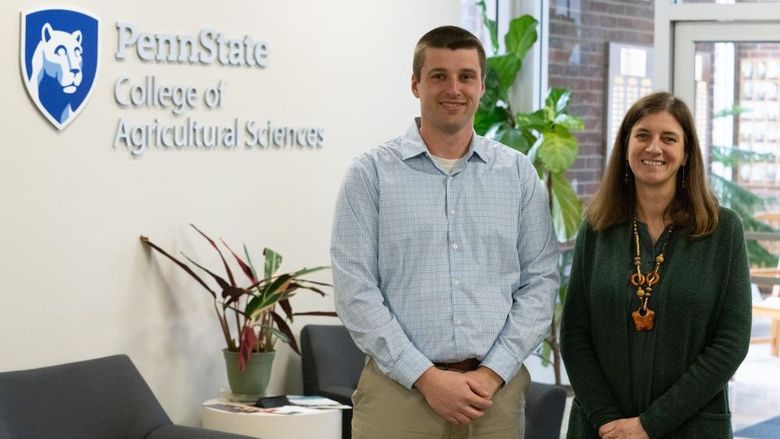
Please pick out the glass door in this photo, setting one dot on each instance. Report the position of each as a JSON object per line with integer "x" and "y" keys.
{"x": 729, "y": 74}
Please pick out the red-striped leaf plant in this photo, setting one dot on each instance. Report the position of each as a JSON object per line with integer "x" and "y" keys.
{"x": 255, "y": 324}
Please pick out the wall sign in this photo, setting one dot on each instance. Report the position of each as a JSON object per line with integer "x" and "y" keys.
{"x": 59, "y": 61}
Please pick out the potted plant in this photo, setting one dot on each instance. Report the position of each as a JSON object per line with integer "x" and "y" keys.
{"x": 247, "y": 315}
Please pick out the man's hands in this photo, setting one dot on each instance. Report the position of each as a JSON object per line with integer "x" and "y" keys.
{"x": 488, "y": 380}
{"x": 457, "y": 397}
{"x": 629, "y": 428}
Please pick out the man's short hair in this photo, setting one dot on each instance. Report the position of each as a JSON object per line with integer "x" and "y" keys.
{"x": 447, "y": 37}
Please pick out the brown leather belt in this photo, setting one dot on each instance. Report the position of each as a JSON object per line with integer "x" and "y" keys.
{"x": 466, "y": 365}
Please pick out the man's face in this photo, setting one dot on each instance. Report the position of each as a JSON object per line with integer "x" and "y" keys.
{"x": 449, "y": 88}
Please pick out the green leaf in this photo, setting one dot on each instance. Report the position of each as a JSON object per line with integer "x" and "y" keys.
{"x": 558, "y": 312}
{"x": 533, "y": 121}
{"x": 269, "y": 295}
{"x": 567, "y": 208}
{"x": 745, "y": 203}
{"x": 279, "y": 334}
{"x": 533, "y": 153}
{"x": 272, "y": 261}
{"x": 760, "y": 256}
{"x": 486, "y": 119}
{"x": 735, "y": 110}
{"x": 506, "y": 68}
{"x": 521, "y": 36}
{"x": 252, "y": 306}
{"x": 249, "y": 262}
{"x": 733, "y": 156}
{"x": 496, "y": 129}
{"x": 558, "y": 150}
{"x": 734, "y": 196}
{"x": 278, "y": 286}
{"x": 562, "y": 293}
{"x": 557, "y": 100}
{"x": 490, "y": 25}
{"x": 305, "y": 271}
{"x": 571, "y": 123}
{"x": 546, "y": 353}
{"x": 540, "y": 172}
{"x": 514, "y": 139}
{"x": 494, "y": 95}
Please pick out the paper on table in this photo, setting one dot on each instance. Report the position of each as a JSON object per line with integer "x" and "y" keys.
{"x": 250, "y": 409}
{"x": 234, "y": 408}
{"x": 299, "y": 405}
{"x": 316, "y": 402}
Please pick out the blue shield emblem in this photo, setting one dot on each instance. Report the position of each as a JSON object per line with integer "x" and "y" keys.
{"x": 59, "y": 60}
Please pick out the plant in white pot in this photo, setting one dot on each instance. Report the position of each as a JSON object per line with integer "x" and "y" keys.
{"x": 247, "y": 315}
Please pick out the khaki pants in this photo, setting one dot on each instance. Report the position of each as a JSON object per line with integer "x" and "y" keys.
{"x": 383, "y": 409}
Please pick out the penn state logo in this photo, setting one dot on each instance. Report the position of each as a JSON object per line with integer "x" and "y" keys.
{"x": 59, "y": 60}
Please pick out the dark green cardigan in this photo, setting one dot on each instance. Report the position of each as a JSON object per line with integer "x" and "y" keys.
{"x": 702, "y": 331}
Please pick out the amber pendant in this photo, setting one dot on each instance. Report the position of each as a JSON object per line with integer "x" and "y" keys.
{"x": 643, "y": 321}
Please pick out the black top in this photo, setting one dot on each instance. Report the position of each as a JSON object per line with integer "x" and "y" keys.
{"x": 674, "y": 378}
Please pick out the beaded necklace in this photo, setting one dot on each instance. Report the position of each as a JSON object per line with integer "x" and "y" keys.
{"x": 644, "y": 317}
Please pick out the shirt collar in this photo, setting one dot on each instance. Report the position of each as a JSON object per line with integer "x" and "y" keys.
{"x": 413, "y": 145}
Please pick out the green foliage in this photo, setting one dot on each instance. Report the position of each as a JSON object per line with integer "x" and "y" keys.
{"x": 490, "y": 24}
{"x": 740, "y": 199}
{"x": 734, "y": 156}
{"x": 736, "y": 110}
{"x": 566, "y": 208}
{"x": 544, "y": 135}
{"x": 745, "y": 204}
{"x": 257, "y": 322}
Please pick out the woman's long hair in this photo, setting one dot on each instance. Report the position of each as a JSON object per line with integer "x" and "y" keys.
{"x": 694, "y": 206}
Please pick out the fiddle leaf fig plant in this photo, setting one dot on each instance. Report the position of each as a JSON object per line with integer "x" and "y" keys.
{"x": 247, "y": 315}
{"x": 545, "y": 136}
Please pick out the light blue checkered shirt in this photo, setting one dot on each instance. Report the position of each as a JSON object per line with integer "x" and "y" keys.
{"x": 430, "y": 266}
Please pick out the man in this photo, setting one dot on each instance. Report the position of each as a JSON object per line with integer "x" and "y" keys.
{"x": 445, "y": 263}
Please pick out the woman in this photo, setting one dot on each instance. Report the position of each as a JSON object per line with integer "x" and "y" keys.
{"x": 658, "y": 312}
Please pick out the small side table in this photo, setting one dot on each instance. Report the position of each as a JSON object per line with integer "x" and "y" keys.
{"x": 320, "y": 424}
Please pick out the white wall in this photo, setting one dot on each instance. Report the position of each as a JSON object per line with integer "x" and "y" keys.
{"x": 76, "y": 282}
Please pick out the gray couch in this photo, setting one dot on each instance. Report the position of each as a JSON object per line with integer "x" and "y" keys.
{"x": 332, "y": 365}
{"x": 105, "y": 398}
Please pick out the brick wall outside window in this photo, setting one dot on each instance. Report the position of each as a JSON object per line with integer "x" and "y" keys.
{"x": 580, "y": 31}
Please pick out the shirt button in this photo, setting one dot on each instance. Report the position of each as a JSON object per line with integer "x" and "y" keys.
{"x": 452, "y": 211}
{"x": 458, "y": 322}
{"x": 456, "y": 282}
{"x": 454, "y": 246}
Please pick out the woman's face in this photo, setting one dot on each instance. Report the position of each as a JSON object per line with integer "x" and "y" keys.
{"x": 656, "y": 150}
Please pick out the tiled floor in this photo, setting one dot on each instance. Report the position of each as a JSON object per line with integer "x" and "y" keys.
{"x": 754, "y": 392}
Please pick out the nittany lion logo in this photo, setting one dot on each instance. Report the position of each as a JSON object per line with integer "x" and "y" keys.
{"x": 59, "y": 51}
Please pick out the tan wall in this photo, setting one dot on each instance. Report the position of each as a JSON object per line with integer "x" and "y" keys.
{"x": 76, "y": 282}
